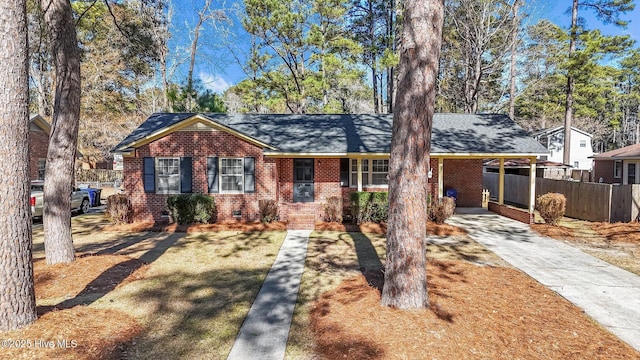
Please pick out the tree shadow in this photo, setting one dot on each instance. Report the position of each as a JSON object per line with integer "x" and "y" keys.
{"x": 114, "y": 276}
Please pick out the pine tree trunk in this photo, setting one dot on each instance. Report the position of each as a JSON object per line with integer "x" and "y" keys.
{"x": 17, "y": 299}
{"x": 512, "y": 70}
{"x": 59, "y": 172}
{"x": 568, "y": 115}
{"x": 405, "y": 285}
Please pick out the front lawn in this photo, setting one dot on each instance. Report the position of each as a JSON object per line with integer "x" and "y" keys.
{"x": 146, "y": 295}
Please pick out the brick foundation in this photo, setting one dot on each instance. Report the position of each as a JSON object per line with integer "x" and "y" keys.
{"x": 511, "y": 212}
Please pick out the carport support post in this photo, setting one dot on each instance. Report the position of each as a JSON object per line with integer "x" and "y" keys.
{"x": 532, "y": 184}
{"x": 440, "y": 178}
{"x": 501, "y": 182}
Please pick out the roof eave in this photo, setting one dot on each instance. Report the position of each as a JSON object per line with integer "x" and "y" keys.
{"x": 185, "y": 123}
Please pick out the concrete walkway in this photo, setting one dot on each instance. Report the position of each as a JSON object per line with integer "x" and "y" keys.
{"x": 265, "y": 330}
{"x": 608, "y": 294}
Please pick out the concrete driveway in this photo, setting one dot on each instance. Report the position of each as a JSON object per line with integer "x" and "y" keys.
{"x": 608, "y": 294}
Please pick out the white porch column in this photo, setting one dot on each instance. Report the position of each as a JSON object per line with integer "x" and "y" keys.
{"x": 501, "y": 182}
{"x": 359, "y": 165}
{"x": 440, "y": 178}
{"x": 532, "y": 184}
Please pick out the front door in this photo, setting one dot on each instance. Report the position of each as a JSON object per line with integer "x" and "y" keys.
{"x": 303, "y": 180}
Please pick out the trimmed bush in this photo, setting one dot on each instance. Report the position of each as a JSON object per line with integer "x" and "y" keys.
{"x": 369, "y": 206}
{"x": 551, "y": 207}
{"x": 333, "y": 209}
{"x": 192, "y": 208}
{"x": 119, "y": 209}
{"x": 442, "y": 209}
{"x": 268, "y": 211}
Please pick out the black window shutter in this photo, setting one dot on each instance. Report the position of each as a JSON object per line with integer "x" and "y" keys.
{"x": 149, "y": 175}
{"x": 185, "y": 175}
{"x": 212, "y": 174}
{"x": 249, "y": 175}
{"x": 344, "y": 172}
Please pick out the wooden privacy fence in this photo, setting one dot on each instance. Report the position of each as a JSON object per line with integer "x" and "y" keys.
{"x": 586, "y": 201}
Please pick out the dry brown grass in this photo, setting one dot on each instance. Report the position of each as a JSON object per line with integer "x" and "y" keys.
{"x": 617, "y": 243}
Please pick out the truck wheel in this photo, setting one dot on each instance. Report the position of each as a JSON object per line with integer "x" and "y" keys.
{"x": 84, "y": 207}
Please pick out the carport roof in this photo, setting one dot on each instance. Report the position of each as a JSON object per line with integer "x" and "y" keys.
{"x": 475, "y": 135}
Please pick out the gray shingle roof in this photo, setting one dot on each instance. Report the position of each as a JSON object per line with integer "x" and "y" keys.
{"x": 331, "y": 134}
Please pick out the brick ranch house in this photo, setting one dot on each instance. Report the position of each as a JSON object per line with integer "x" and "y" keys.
{"x": 300, "y": 160}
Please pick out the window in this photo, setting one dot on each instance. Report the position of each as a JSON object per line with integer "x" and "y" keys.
{"x": 631, "y": 173}
{"x": 374, "y": 172}
{"x": 168, "y": 175}
{"x": 379, "y": 171}
{"x": 583, "y": 143}
{"x": 41, "y": 166}
{"x": 354, "y": 172}
{"x": 617, "y": 169}
{"x": 576, "y": 164}
{"x": 231, "y": 175}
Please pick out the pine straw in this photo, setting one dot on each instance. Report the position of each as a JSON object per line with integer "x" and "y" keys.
{"x": 619, "y": 232}
{"x": 102, "y": 273}
{"x": 221, "y": 226}
{"x": 554, "y": 231}
{"x": 90, "y": 333}
{"x": 476, "y": 313}
{"x": 381, "y": 229}
{"x": 96, "y": 334}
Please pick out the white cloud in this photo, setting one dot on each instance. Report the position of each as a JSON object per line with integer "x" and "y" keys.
{"x": 214, "y": 82}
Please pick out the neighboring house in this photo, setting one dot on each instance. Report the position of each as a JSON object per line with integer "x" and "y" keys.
{"x": 619, "y": 166}
{"x": 39, "y": 130}
{"x": 544, "y": 168}
{"x": 581, "y": 148}
{"x": 300, "y": 160}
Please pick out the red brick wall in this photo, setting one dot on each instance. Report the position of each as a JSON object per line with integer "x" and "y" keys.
{"x": 466, "y": 177}
{"x": 511, "y": 212}
{"x": 38, "y": 145}
{"x": 604, "y": 169}
{"x": 199, "y": 145}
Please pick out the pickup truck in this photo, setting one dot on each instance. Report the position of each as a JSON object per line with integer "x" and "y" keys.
{"x": 79, "y": 200}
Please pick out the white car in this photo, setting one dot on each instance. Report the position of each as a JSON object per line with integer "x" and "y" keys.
{"x": 79, "y": 199}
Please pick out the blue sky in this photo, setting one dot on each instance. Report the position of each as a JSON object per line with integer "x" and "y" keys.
{"x": 217, "y": 68}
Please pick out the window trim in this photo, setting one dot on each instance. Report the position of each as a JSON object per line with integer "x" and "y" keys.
{"x": 157, "y": 176}
{"x": 220, "y": 175}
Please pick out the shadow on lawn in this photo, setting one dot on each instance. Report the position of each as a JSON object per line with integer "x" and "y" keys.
{"x": 115, "y": 275}
{"x": 188, "y": 306}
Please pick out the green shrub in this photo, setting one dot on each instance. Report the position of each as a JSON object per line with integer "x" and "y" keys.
{"x": 192, "y": 208}
{"x": 442, "y": 209}
{"x": 119, "y": 209}
{"x": 333, "y": 209}
{"x": 369, "y": 206}
{"x": 268, "y": 211}
{"x": 551, "y": 207}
